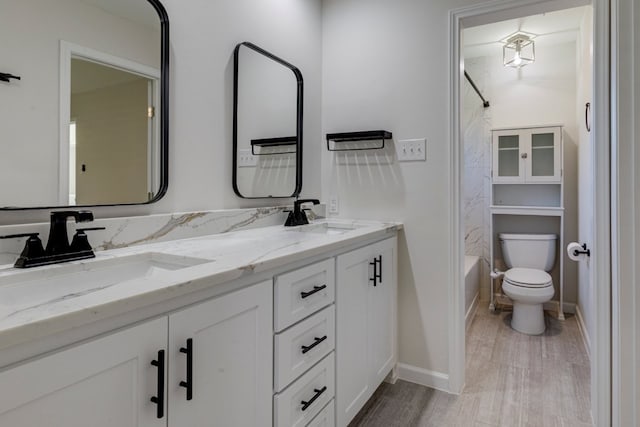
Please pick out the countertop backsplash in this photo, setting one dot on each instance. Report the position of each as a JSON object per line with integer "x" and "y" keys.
{"x": 136, "y": 230}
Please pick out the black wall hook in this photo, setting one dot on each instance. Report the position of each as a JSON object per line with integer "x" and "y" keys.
{"x": 5, "y": 77}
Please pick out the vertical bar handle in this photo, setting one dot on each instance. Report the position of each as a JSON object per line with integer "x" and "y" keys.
{"x": 159, "y": 398}
{"x": 375, "y": 272}
{"x": 188, "y": 384}
{"x": 379, "y": 260}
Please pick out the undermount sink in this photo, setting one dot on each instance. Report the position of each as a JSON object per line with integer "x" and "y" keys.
{"x": 33, "y": 288}
{"x": 328, "y": 228}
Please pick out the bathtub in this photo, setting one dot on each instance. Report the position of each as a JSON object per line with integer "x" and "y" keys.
{"x": 471, "y": 286}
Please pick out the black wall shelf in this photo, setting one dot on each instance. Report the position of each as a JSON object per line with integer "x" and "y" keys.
{"x": 368, "y": 135}
{"x": 273, "y": 142}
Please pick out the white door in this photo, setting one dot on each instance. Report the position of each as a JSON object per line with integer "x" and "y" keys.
{"x": 353, "y": 274}
{"x": 231, "y": 372}
{"x": 102, "y": 383}
{"x": 382, "y": 317}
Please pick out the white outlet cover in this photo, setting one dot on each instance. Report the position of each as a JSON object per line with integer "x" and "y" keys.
{"x": 412, "y": 150}
{"x": 333, "y": 205}
{"x": 246, "y": 159}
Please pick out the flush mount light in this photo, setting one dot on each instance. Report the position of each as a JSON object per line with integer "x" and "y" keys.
{"x": 518, "y": 50}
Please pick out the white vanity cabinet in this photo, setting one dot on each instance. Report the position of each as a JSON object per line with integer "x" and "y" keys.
{"x": 366, "y": 295}
{"x": 527, "y": 155}
{"x": 102, "y": 383}
{"x": 227, "y": 360}
{"x": 109, "y": 381}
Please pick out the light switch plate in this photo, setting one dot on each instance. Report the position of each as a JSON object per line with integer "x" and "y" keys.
{"x": 246, "y": 159}
{"x": 412, "y": 150}
{"x": 333, "y": 205}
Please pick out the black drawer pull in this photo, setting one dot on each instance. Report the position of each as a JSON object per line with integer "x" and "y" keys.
{"x": 188, "y": 384}
{"x": 379, "y": 269}
{"x": 316, "y": 289}
{"x": 159, "y": 398}
{"x": 315, "y": 397}
{"x": 307, "y": 348}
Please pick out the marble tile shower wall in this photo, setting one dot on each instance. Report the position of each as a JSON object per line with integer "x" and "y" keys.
{"x": 476, "y": 129}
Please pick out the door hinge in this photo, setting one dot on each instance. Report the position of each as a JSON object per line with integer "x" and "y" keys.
{"x": 151, "y": 112}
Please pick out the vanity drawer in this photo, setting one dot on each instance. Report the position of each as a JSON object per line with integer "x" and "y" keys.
{"x": 315, "y": 388}
{"x": 302, "y": 292}
{"x": 326, "y": 417}
{"x": 303, "y": 345}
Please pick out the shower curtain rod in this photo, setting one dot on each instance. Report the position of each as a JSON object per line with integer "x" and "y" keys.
{"x": 485, "y": 103}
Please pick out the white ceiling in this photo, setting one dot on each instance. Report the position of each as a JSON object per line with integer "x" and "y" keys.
{"x": 551, "y": 28}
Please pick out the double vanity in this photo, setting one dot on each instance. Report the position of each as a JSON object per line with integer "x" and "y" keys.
{"x": 282, "y": 326}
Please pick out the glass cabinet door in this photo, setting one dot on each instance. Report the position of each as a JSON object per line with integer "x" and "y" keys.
{"x": 544, "y": 156}
{"x": 507, "y": 157}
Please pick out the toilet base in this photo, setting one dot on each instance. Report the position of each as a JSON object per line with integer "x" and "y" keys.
{"x": 528, "y": 318}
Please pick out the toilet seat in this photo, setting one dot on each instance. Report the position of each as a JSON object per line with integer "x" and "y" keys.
{"x": 528, "y": 278}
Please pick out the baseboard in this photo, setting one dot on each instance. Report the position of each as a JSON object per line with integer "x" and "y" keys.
{"x": 583, "y": 331}
{"x": 568, "y": 307}
{"x": 471, "y": 313}
{"x": 424, "y": 377}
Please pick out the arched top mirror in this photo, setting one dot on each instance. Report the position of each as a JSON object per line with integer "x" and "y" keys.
{"x": 84, "y": 115}
{"x": 267, "y": 125}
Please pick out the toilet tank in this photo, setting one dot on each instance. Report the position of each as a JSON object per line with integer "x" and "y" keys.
{"x": 529, "y": 250}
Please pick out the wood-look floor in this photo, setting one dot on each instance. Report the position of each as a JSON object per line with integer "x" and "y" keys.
{"x": 512, "y": 380}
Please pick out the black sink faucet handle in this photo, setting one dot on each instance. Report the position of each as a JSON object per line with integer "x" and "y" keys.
{"x": 32, "y": 248}
{"x": 80, "y": 240}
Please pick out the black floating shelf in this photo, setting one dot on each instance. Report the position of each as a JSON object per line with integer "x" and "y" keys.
{"x": 368, "y": 135}
{"x": 273, "y": 142}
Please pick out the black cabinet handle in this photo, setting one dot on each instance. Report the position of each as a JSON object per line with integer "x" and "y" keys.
{"x": 377, "y": 271}
{"x": 307, "y": 348}
{"x": 316, "y": 289}
{"x": 315, "y": 397}
{"x": 587, "y": 110}
{"x": 188, "y": 384}
{"x": 159, "y": 398}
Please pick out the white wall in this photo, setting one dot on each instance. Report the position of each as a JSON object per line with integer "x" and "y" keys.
{"x": 385, "y": 66}
{"x": 203, "y": 36}
{"x": 544, "y": 93}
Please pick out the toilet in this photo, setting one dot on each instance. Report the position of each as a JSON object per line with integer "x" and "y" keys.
{"x": 527, "y": 282}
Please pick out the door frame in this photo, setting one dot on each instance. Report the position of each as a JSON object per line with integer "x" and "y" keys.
{"x": 68, "y": 51}
{"x": 603, "y": 209}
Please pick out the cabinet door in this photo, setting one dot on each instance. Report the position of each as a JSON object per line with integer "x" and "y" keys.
{"x": 353, "y": 387}
{"x": 382, "y": 313}
{"x": 508, "y": 161}
{"x": 232, "y": 360}
{"x": 544, "y": 160}
{"x": 103, "y": 383}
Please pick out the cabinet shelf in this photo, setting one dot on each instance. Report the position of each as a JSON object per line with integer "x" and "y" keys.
{"x": 349, "y": 137}
{"x": 273, "y": 142}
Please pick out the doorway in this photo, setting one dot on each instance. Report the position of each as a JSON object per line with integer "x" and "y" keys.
{"x": 593, "y": 230}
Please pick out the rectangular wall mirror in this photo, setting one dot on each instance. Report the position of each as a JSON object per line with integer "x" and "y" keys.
{"x": 83, "y": 119}
{"x": 267, "y": 125}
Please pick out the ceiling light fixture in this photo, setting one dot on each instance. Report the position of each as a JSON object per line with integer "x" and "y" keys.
{"x": 518, "y": 50}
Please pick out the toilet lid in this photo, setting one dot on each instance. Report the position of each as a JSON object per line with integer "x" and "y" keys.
{"x": 529, "y": 277}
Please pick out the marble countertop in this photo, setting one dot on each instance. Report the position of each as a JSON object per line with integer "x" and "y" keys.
{"x": 223, "y": 258}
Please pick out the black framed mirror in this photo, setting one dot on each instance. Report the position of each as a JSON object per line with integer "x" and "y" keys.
{"x": 267, "y": 124}
{"x": 84, "y": 118}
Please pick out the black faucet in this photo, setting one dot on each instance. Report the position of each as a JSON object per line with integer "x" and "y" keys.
{"x": 58, "y": 247}
{"x": 297, "y": 215}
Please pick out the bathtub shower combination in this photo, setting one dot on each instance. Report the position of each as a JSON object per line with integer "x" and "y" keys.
{"x": 471, "y": 286}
